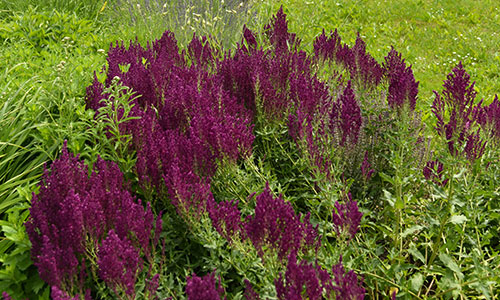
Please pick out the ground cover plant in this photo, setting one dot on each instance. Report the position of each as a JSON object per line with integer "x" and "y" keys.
{"x": 251, "y": 171}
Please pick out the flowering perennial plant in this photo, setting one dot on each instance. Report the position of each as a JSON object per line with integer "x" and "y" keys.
{"x": 363, "y": 68}
{"x": 119, "y": 262}
{"x": 307, "y": 281}
{"x": 275, "y": 223}
{"x": 458, "y": 104}
{"x": 72, "y": 215}
{"x": 347, "y": 285}
{"x": 347, "y": 218}
{"x": 300, "y": 280}
{"x": 204, "y": 288}
{"x": 188, "y": 121}
{"x": 433, "y": 171}
{"x": 348, "y": 119}
{"x": 489, "y": 118}
{"x": 403, "y": 88}
{"x": 57, "y": 294}
{"x": 226, "y": 218}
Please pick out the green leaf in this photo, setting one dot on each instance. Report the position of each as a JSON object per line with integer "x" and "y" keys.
{"x": 451, "y": 264}
{"x": 388, "y": 196}
{"x": 416, "y": 253}
{"x": 412, "y": 230}
{"x": 386, "y": 177}
{"x": 458, "y": 219}
{"x": 417, "y": 281}
{"x": 400, "y": 204}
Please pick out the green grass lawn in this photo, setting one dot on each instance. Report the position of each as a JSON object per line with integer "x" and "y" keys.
{"x": 433, "y": 36}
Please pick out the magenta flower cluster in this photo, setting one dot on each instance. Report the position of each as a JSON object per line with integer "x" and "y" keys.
{"x": 347, "y": 218}
{"x": 434, "y": 171}
{"x": 273, "y": 224}
{"x": 305, "y": 280}
{"x": 75, "y": 214}
{"x": 403, "y": 88}
{"x": 204, "y": 288}
{"x": 489, "y": 118}
{"x": 119, "y": 263}
{"x": 345, "y": 118}
{"x": 456, "y": 121}
{"x": 189, "y": 117}
{"x": 362, "y": 67}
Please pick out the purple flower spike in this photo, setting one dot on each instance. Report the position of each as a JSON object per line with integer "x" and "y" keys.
{"x": 433, "y": 170}
{"x": 6, "y": 296}
{"x": 489, "y": 118}
{"x": 277, "y": 31}
{"x": 328, "y": 47}
{"x": 363, "y": 66}
{"x": 226, "y": 218}
{"x": 119, "y": 263}
{"x": 366, "y": 169}
{"x": 250, "y": 294}
{"x": 74, "y": 211}
{"x": 457, "y": 105}
{"x": 347, "y": 285}
{"x": 57, "y": 294}
{"x": 275, "y": 223}
{"x": 403, "y": 88}
{"x": 299, "y": 278}
{"x": 347, "y": 218}
{"x": 349, "y": 120}
{"x": 204, "y": 288}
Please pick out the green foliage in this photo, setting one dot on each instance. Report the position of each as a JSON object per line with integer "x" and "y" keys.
{"x": 18, "y": 276}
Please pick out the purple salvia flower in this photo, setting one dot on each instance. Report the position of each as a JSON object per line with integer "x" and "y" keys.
{"x": 275, "y": 223}
{"x": 303, "y": 279}
{"x": 200, "y": 51}
{"x": 236, "y": 75}
{"x": 277, "y": 31}
{"x": 249, "y": 37}
{"x": 250, "y": 294}
{"x": 403, "y": 88}
{"x": 349, "y": 121}
{"x": 6, "y": 296}
{"x": 55, "y": 227}
{"x": 204, "y": 288}
{"x": 489, "y": 118}
{"x": 226, "y": 218}
{"x": 347, "y": 285}
{"x": 119, "y": 262}
{"x": 433, "y": 170}
{"x": 57, "y": 294}
{"x": 347, "y": 218}
{"x": 153, "y": 284}
{"x": 474, "y": 146}
{"x": 94, "y": 94}
{"x": 190, "y": 194}
{"x": 458, "y": 103}
{"x": 327, "y": 47}
{"x": 74, "y": 211}
{"x": 366, "y": 168}
{"x": 363, "y": 66}
{"x": 308, "y": 93}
